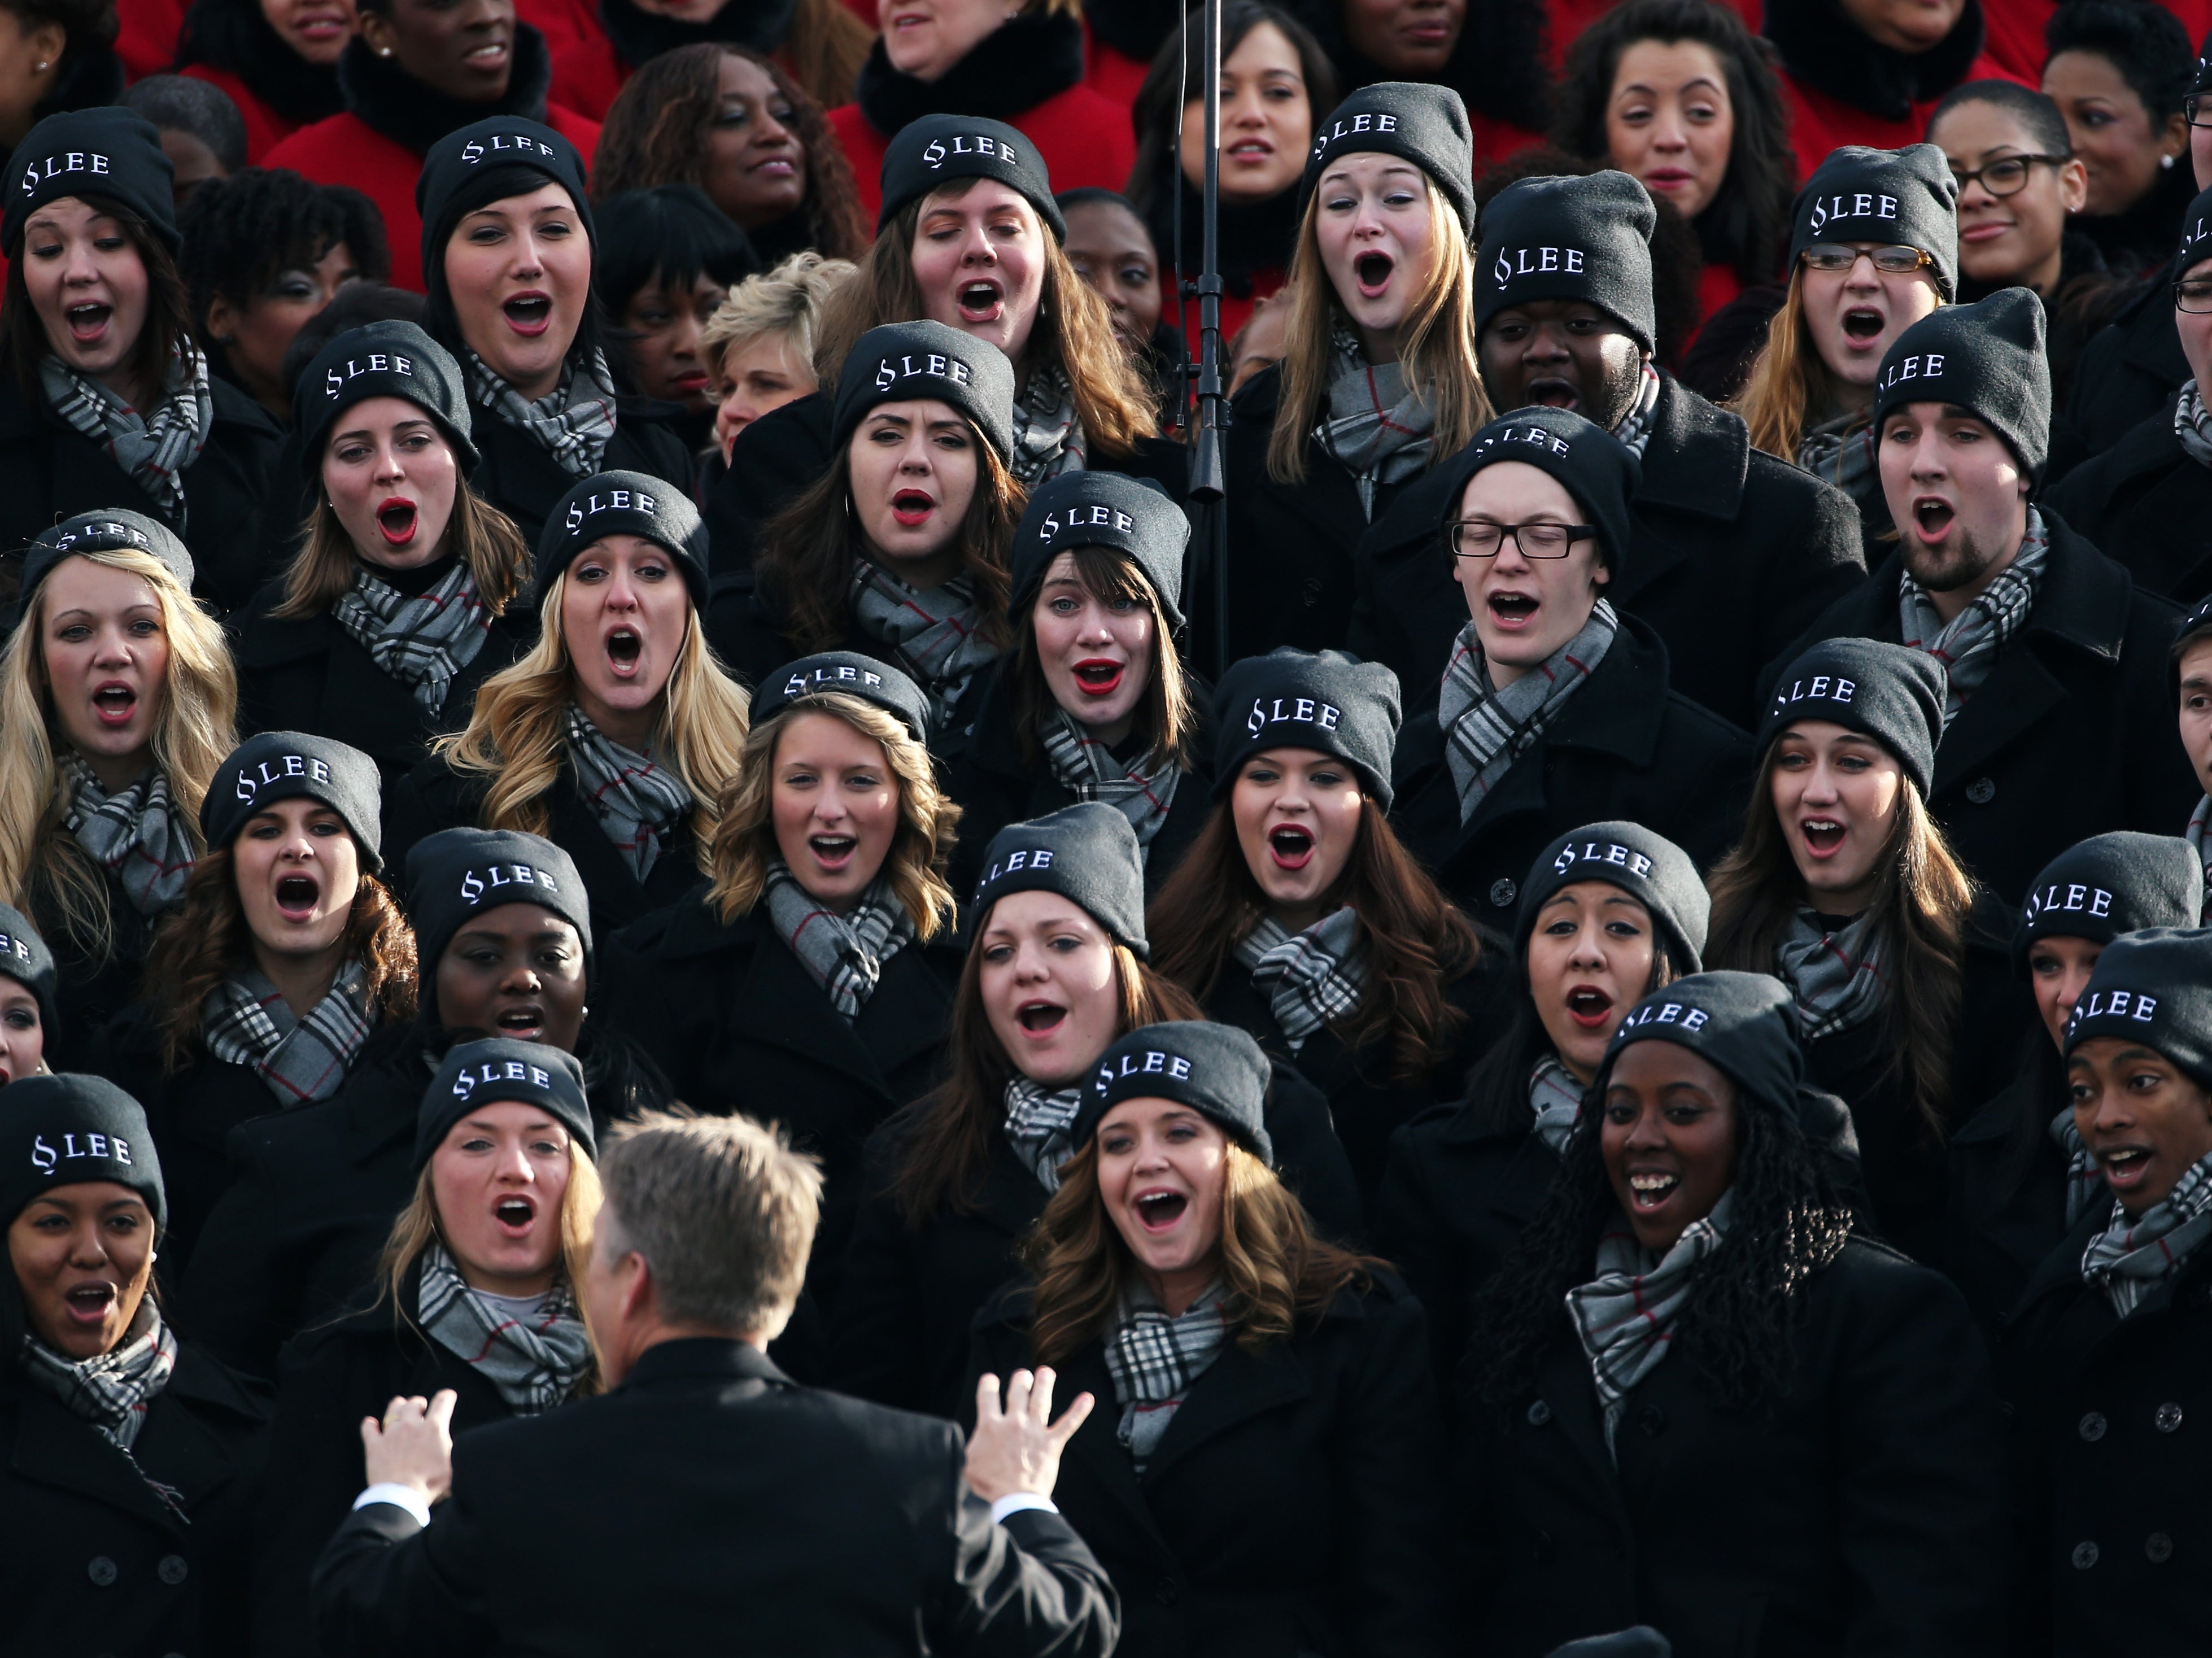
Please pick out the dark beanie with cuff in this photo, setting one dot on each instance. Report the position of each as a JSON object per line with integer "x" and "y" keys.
{"x": 1086, "y": 852}
{"x": 1320, "y": 700}
{"x": 2195, "y": 245}
{"x": 1742, "y": 1024}
{"x": 846, "y": 673}
{"x": 1417, "y": 121}
{"x": 1892, "y": 197}
{"x": 1217, "y": 1070}
{"x": 296, "y": 765}
{"x": 1649, "y": 868}
{"x": 477, "y": 1074}
{"x": 108, "y": 530}
{"x": 390, "y": 358}
{"x": 1889, "y": 693}
{"x": 110, "y": 153}
{"x": 1587, "y": 239}
{"x": 2121, "y": 882}
{"x": 457, "y": 874}
{"x": 70, "y": 1129}
{"x": 1987, "y": 358}
{"x": 1596, "y": 468}
{"x": 1134, "y": 517}
{"x": 25, "y": 958}
{"x": 499, "y": 149}
{"x": 625, "y": 504}
{"x": 938, "y": 149}
{"x": 2152, "y": 987}
{"x": 2196, "y": 628}
{"x": 907, "y": 361}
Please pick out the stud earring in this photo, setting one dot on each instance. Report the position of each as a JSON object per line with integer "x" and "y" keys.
{"x": 41, "y": 70}
{"x": 2165, "y": 161}
{"x": 384, "y": 52}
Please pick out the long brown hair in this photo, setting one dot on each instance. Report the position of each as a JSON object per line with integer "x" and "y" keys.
{"x": 1164, "y": 718}
{"x": 1415, "y": 939}
{"x": 478, "y": 534}
{"x": 168, "y": 323}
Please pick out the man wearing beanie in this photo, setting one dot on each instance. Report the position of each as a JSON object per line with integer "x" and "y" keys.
{"x": 2057, "y": 705}
{"x": 1732, "y": 552}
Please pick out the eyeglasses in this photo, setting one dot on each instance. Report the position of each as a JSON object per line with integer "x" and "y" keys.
{"x": 1474, "y": 537}
{"x": 2197, "y": 104}
{"x": 1895, "y": 260}
{"x": 2193, "y": 294}
{"x": 2007, "y": 175}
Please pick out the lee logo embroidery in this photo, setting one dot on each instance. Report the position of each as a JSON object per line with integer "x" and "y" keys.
{"x": 100, "y": 1148}
{"x": 376, "y": 362}
{"x": 1863, "y": 205}
{"x": 615, "y": 500}
{"x": 477, "y": 884}
{"x": 1296, "y": 710}
{"x": 247, "y": 783}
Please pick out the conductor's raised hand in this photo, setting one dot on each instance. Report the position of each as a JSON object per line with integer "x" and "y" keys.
{"x": 1015, "y": 1446}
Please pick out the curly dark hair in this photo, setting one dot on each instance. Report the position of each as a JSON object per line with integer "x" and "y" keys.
{"x": 656, "y": 134}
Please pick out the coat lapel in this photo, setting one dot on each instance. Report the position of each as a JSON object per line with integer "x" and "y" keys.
{"x": 1237, "y": 1387}
{"x": 782, "y": 1007}
{"x": 1098, "y": 1445}
{"x": 55, "y": 1448}
{"x": 909, "y": 1012}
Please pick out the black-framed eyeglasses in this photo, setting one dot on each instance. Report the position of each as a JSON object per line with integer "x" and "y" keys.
{"x": 1894, "y": 260}
{"x": 2197, "y": 105}
{"x": 1475, "y": 538}
{"x": 2007, "y": 175}
{"x": 2193, "y": 294}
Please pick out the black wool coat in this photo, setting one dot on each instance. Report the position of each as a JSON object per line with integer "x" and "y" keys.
{"x": 1861, "y": 1513}
{"x": 2071, "y": 734}
{"x": 1733, "y": 555}
{"x": 2149, "y": 505}
{"x": 909, "y": 1295}
{"x": 521, "y": 478}
{"x": 1624, "y": 746}
{"x": 94, "y": 1559}
{"x": 2132, "y": 368}
{"x": 2007, "y": 1207}
{"x": 54, "y": 472}
{"x": 711, "y": 1494}
{"x": 1295, "y": 1504}
{"x": 92, "y": 985}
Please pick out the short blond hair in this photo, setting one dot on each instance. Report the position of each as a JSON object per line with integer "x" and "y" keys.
{"x": 786, "y": 301}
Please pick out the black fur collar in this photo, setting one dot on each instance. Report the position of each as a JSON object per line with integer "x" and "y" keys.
{"x": 1014, "y": 67}
{"x": 1498, "y": 66}
{"x": 637, "y": 35}
{"x": 1251, "y": 239}
{"x": 1826, "y": 51}
{"x": 391, "y": 101}
{"x": 234, "y": 35}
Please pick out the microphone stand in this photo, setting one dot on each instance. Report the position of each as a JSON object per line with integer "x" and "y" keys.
{"x": 1208, "y": 468}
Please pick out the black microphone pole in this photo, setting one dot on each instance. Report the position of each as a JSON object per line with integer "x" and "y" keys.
{"x": 1208, "y": 467}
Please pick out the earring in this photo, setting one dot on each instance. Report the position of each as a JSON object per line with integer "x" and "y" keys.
{"x": 2165, "y": 161}
{"x": 384, "y": 52}
{"x": 42, "y": 69}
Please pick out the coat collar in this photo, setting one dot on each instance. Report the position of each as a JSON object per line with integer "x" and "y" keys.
{"x": 388, "y": 101}
{"x": 1821, "y": 46}
{"x": 1699, "y": 458}
{"x": 1010, "y": 71}
{"x": 383, "y": 1102}
{"x": 693, "y": 1358}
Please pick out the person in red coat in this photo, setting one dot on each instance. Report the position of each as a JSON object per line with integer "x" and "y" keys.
{"x": 819, "y": 42}
{"x": 277, "y": 61}
{"x": 417, "y": 71}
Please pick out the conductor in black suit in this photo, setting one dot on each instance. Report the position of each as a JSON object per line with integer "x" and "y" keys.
{"x": 706, "y": 1503}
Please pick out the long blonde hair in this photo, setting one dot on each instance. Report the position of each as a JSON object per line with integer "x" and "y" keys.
{"x": 745, "y": 840}
{"x": 43, "y": 872}
{"x": 516, "y": 733}
{"x": 1789, "y": 388}
{"x": 1435, "y": 343}
{"x": 478, "y": 534}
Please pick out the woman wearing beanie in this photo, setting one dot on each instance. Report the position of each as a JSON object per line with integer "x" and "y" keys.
{"x": 1378, "y": 382}
{"x": 28, "y": 1020}
{"x": 1702, "y": 1402}
{"x": 616, "y": 735}
{"x": 1093, "y": 701}
{"x": 503, "y": 931}
{"x": 1297, "y": 1505}
{"x": 2189, "y": 684}
{"x": 1299, "y": 918}
{"x": 2021, "y": 1176}
{"x": 134, "y": 1460}
{"x": 476, "y": 1291}
{"x": 1554, "y": 709}
{"x": 406, "y": 593}
{"x": 106, "y": 401}
{"x": 1056, "y": 971}
{"x": 117, "y": 697}
{"x": 1855, "y": 74}
{"x": 277, "y": 63}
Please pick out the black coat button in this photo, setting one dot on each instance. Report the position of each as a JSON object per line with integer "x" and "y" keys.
{"x": 2093, "y": 1426}
{"x": 172, "y": 1569}
{"x": 1981, "y": 791}
{"x": 1652, "y": 1420}
{"x": 1503, "y": 892}
{"x": 101, "y": 1570}
{"x": 2085, "y": 1556}
{"x": 1539, "y": 1414}
{"x": 2158, "y": 1548}
{"x": 2168, "y": 1418}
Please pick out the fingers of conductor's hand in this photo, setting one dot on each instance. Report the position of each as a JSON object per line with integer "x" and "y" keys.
{"x": 1019, "y": 1388}
{"x": 441, "y": 1409}
{"x": 1041, "y": 1396}
{"x": 1076, "y": 1414}
{"x": 987, "y": 1408}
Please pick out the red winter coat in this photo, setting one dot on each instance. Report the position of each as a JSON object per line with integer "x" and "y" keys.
{"x": 1819, "y": 122}
{"x": 1110, "y": 74}
{"x": 1083, "y": 137}
{"x": 587, "y": 76}
{"x": 146, "y": 35}
{"x": 264, "y": 128}
{"x": 563, "y": 22}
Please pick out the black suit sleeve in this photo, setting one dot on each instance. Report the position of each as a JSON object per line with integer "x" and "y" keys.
{"x": 385, "y": 1585}
{"x": 1030, "y": 1588}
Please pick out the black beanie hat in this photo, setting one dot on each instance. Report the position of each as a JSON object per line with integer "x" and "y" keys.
{"x": 390, "y": 358}
{"x": 849, "y": 674}
{"x": 1416, "y": 120}
{"x": 65, "y": 1130}
{"x": 1134, "y": 517}
{"x": 108, "y": 152}
{"x": 1742, "y": 1022}
{"x": 1585, "y": 239}
{"x": 2154, "y": 987}
{"x": 625, "y": 504}
{"x": 443, "y": 189}
{"x": 1086, "y": 852}
{"x": 502, "y": 1069}
{"x": 1649, "y": 868}
{"x": 2194, "y": 627}
{"x": 459, "y": 873}
{"x": 110, "y": 528}
{"x": 1596, "y": 468}
{"x": 1217, "y": 1070}
{"x": 2109, "y": 884}
{"x": 1886, "y": 692}
{"x": 25, "y": 958}
{"x": 1322, "y": 700}
{"x": 1906, "y": 198}
{"x": 2195, "y": 235}
{"x": 905, "y": 362}
{"x": 1988, "y": 359}
{"x": 926, "y": 153}
{"x": 289, "y": 765}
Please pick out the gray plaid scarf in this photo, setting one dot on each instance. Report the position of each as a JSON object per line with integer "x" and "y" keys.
{"x": 635, "y": 800}
{"x": 153, "y": 450}
{"x": 1556, "y": 1099}
{"x": 1969, "y": 643}
{"x": 2127, "y": 1259}
{"x": 571, "y": 423}
{"x": 2083, "y": 1182}
{"x": 1037, "y": 1125}
{"x": 1837, "y": 977}
{"x": 138, "y": 836}
{"x": 2192, "y": 425}
{"x": 1842, "y": 452}
{"x": 113, "y": 1390}
{"x": 534, "y": 1365}
{"x": 1635, "y": 427}
{"x": 2196, "y": 836}
{"x": 1310, "y": 978}
{"x": 1048, "y": 441}
{"x": 1153, "y": 1359}
{"x": 937, "y": 636}
{"x": 421, "y": 642}
{"x": 1625, "y": 1316}
{"x": 1086, "y": 767}
{"x": 845, "y": 953}
{"x": 245, "y": 1021}
{"x": 1486, "y": 729}
{"x": 1378, "y": 429}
